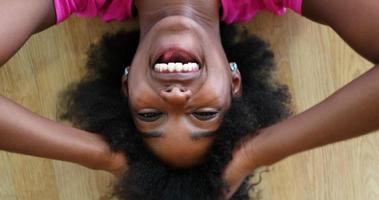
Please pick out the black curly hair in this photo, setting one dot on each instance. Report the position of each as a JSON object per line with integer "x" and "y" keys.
{"x": 97, "y": 104}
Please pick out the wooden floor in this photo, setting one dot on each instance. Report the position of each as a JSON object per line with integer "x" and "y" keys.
{"x": 312, "y": 60}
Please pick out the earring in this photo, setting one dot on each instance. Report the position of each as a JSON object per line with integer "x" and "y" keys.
{"x": 233, "y": 66}
{"x": 126, "y": 71}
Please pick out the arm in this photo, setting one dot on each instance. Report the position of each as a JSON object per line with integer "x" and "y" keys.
{"x": 350, "y": 112}
{"x": 22, "y": 131}
{"x": 20, "y": 19}
{"x": 355, "y": 21}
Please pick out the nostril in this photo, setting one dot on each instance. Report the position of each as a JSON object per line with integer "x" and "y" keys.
{"x": 176, "y": 95}
{"x": 175, "y": 87}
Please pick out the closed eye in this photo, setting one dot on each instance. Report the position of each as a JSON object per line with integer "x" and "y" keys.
{"x": 149, "y": 116}
{"x": 205, "y": 115}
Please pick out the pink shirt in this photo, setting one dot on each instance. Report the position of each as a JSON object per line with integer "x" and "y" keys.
{"x": 108, "y": 10}
{"x": 244, "y": 10}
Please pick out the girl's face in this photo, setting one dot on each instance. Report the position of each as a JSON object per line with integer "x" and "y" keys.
{"x": 179, "y": 107}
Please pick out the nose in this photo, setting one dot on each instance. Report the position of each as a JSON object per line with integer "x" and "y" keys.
{"x": 176, "y": 95}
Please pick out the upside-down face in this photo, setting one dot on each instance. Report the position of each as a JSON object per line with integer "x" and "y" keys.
{"x": 179, "y": 86}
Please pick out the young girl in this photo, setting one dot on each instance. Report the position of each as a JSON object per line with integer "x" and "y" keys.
{"x": 179, "y": 27}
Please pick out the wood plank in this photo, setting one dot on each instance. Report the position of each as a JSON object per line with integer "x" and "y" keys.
{"x": 312, "y": 60}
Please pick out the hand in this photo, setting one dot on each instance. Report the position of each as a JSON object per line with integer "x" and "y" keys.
{"x": 117, "y": 163}
{"x": 239, "y": 168}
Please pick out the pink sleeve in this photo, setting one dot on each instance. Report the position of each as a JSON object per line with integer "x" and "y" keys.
{"x": 244, "y": 10}
{"x": 107, "y": 10}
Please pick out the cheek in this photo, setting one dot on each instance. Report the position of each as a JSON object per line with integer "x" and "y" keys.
{"x": 139, "y": 88}
{"x": 221, "y": 86}
{"x": 217, "y": 93}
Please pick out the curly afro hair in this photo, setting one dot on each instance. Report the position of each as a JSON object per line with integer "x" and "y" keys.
{"x": 97, "y": 104}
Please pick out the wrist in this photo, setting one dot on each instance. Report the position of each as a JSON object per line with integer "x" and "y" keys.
{"x": 249, "y": 157}
{"x": 96, "y": 155}
{"x": 101, "y": 157}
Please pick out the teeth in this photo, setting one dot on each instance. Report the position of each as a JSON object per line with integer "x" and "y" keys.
{"x": 164, "y": 67}
{"x": 195, "y": 67}
{"x": 190, "y": 66}
{"x": 176, "y": 67}
{"x": 171, "y": 67}
{"x": 185, "y": 67}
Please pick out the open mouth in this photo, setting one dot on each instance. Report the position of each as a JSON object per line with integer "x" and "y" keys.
{"x": 176, "y": 61}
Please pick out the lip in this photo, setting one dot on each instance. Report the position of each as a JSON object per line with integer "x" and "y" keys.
{"x": 176, "y": 76}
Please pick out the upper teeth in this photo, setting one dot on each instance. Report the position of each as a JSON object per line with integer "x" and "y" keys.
{"x": 176, "y": 67}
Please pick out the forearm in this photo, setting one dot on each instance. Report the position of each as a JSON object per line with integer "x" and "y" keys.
{"x": 22, "y": 131}
{"x": 355, "y": 21}
{"x": 352, "y": 111}
{"x": 19, "y": 19}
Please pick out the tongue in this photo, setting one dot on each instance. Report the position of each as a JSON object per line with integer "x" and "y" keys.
{"x": 176, "y": 56}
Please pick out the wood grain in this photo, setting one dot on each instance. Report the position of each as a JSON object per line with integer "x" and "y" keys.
{"x": 311, "y": 59}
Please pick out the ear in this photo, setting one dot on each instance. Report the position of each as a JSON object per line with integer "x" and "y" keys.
{"x": 236, "y": 84}
{"x": 124, "y": 85}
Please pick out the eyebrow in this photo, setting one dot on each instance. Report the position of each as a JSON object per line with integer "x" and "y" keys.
{"x": 194, "y": 135}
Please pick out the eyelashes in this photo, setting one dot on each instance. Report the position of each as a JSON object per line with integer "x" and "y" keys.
{"x": 152, "y": 116}
{"x": 205, "y": 116}
{"x": 149, "y": 116}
